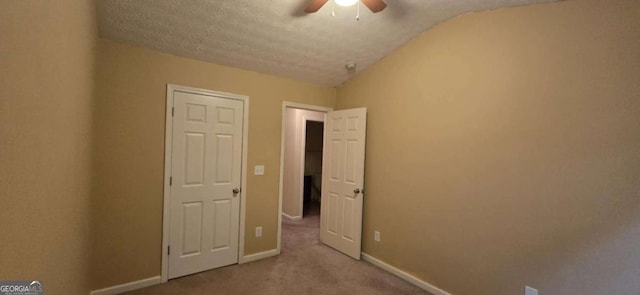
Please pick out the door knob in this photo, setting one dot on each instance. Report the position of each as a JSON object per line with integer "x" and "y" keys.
{"x": 356, "y": 191}
{"x": 236, "y": 191}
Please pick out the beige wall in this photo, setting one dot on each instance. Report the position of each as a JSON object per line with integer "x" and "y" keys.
{"x": 46, "y": 83}
{"x": 517, "y": 161}
{"x": 293, "y": 166}
{"x": 516, "y": 151}
{"x": 129, "y": 152}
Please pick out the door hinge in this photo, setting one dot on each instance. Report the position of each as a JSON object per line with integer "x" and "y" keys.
{"x": 173, "y": 111}
{"x": 168, "y": 250}
{"x": 170, "y": 180}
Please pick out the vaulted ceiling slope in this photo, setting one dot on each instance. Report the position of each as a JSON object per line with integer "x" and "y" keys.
{"x": 276, "y": 36}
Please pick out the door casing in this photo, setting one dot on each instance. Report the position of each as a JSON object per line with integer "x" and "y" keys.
{"x": 171, "y": 88}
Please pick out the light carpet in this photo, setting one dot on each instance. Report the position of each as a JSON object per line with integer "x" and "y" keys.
{"x": 305, "y": 266}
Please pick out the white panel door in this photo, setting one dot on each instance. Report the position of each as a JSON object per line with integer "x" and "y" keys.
{"x": 342, "y": 180}
{"x": 206, "y": 171}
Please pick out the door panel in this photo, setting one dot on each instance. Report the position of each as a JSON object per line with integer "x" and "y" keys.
{"x": 192, "y": 228}
{"x": 205, "y": 161}
{"x": 194, "y": 158}
{"x": 342, "y": 181}
{"x": 222, "y": 221}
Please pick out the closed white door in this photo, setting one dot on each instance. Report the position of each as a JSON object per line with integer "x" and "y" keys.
{"x": 342, "y": 180}
{"x": 205, "y": 187}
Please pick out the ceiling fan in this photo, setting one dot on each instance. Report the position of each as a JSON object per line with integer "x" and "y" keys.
{"x": 373, "y": 5}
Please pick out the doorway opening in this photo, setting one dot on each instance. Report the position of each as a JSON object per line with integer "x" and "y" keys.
{"x": 301, "y": 167}
{"x": 302, "y": 163}
{"x": 341, "y": 185}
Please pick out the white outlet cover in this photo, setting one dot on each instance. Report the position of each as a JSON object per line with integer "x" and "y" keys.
{"x": 376, "y": 236}
{"x": 530, "y": 291}
{"x": 259, "y": 231}
{"x": 258, "y": 170}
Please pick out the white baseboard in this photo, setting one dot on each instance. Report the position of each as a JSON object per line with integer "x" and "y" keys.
{"x": 403, "y": 275}
{"x": 291, "y": 218}
{"x": 258, "y": 256}
{"x": 128, "y": 286}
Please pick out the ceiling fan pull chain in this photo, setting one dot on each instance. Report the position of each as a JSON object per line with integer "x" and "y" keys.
{"x": 333, "y": 8}
{"x": 358, "y": 11}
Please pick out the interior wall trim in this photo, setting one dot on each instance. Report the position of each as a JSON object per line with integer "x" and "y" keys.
{"x": 118, "y": 289}
{"x": 404, "y": 275}
{"x": 291, "y": 218}
{"x": 259, "y": 256}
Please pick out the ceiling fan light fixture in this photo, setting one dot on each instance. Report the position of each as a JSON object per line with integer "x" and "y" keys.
{"x": 345, "y": 2}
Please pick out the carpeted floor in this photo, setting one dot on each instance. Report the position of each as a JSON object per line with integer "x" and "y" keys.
{"x": 305, "y": 266}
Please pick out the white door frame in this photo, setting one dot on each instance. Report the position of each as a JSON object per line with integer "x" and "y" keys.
{"x": 167, "y": 167}
{"x": 292, "y": 105}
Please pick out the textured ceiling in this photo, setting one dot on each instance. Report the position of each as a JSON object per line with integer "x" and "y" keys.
{"x": 275, "y": 36}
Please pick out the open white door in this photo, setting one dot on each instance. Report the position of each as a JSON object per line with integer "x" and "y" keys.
{"x": 205, "y": 187}
{"x": 342, "y": 180}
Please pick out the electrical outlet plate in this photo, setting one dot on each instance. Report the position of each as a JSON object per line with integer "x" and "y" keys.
{"x": 530, "y": 291}
{"x": 258, "y": 231}
{"x": 376, "y": 236}
{"x": 258, "y": 170}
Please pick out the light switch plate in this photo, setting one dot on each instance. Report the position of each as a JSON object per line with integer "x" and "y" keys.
{"x": 530, "y": 291}
{"x": 258, "y": 170}
{"x": 258, "y": 231}
{"x": 376, "y": 236}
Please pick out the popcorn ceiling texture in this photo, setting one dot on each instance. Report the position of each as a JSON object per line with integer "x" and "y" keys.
{"x": 275, "y": 36}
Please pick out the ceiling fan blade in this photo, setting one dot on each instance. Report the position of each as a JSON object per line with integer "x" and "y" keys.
{"x": 315, "y": 6}
{"x": 374, "y": 5}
